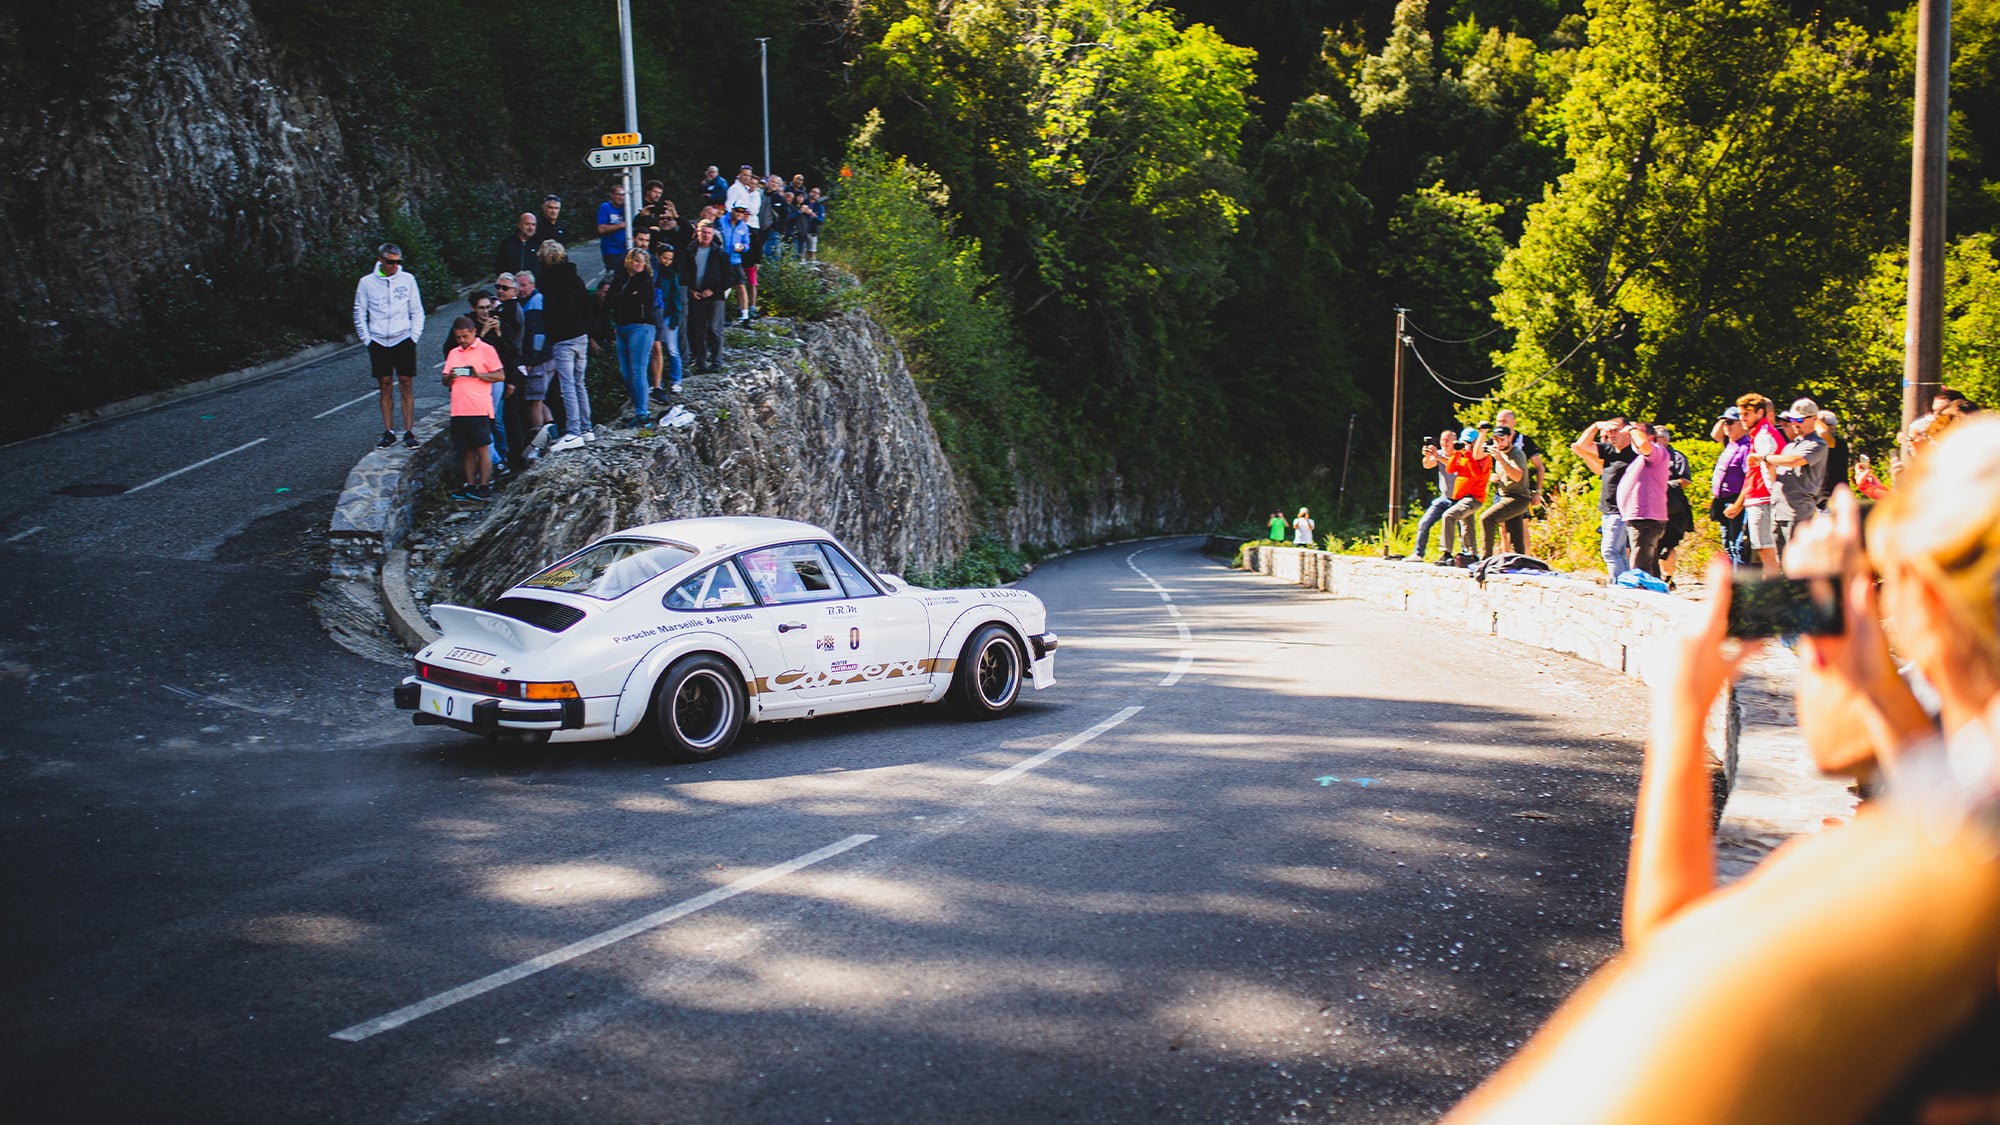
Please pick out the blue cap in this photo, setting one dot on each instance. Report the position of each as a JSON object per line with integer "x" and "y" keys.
{"x": 1468, "y": 434}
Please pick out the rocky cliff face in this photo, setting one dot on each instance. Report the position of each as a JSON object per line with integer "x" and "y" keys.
{"x": 813, "y": 421}
{"x": 185, "y": 136}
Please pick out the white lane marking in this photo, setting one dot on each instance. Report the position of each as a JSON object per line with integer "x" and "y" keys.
{"x": 196, "y": 465}
{"x": 345, "y": 405}
{"x": 1174, "y": 611}
{"x": 1060, "y": 748}
{"x": 25, "y": 534}
{"x": 591, "y": 944}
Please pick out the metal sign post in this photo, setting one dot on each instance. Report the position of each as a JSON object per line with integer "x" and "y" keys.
{"x": 632, "y": 193}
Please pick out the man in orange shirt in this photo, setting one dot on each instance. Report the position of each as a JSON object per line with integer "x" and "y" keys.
{"x": 1472, "y": 464}
{"x": 470, "y": 370}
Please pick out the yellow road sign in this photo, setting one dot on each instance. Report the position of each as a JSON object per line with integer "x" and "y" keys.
{"x": 618, "y": 140}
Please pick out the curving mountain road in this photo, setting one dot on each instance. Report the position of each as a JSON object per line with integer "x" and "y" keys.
{"x": 1258, "y": 856}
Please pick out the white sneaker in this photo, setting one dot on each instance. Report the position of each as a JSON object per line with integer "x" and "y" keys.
{"x": 567, "y": 443}
{"x": 531, "y": 454}
{"x": 590, "y": 435}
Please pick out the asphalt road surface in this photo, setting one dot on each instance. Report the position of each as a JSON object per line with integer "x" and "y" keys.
{"x": 1258, "y": 856}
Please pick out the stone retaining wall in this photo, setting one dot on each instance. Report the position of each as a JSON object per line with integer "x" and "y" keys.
{"x": 372, "y": 516}
{"x": 1606, "y": 625}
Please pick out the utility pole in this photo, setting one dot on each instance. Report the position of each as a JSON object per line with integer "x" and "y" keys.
{"x": 1346, "y": 459}
{"x": 764, "y": 81}
{"x": 1923, "y": 332}
{"x": 633, "y": 196}
{"x": 1396, "y": 436}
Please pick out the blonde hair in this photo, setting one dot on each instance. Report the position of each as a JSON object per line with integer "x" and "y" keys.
{"x": 1943, "y": 521}
{"x": 552, "y": 252}
{"x": 644, "y": 258}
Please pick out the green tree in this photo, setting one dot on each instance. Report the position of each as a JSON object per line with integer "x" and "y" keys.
{"x": 1092, "y": 145}
{"x": 1869, "y": 377}
{"x": 1439, "y": 257}
{"x": 1733, "y": 173}
{"x": 1285, "y": 350}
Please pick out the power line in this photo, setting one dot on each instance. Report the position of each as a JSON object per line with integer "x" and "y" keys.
{"x": 1441, "y": 380}
{"x": 1408, "y": 323}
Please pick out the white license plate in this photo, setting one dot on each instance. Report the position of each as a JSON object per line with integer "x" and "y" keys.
{"x": 469, "y": 655}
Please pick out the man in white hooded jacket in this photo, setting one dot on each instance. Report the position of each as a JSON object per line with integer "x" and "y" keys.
{"x": 389, "y": 318}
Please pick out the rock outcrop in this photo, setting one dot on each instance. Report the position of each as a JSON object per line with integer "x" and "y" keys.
{"x": 817, "y": 421}
{"x": 188, "y": 137}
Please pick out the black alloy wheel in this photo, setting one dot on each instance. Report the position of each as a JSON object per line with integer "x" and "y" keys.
{"x": 988, "y": 678}
{"x": 698, "y": 708}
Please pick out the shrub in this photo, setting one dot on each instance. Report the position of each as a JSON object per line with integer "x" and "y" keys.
{"x": 800, "y": 289}
{"x": 986, "y": 562}
{"x": 954, "y": 324}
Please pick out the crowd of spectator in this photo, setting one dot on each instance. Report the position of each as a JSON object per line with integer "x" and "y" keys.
{"x": 1776, "y": 471}
{"x": 516, "y": 364}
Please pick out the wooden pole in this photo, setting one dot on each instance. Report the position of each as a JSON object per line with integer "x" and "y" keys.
{"x": 1396, "y": 437}
{"x": 1923, "y": 335}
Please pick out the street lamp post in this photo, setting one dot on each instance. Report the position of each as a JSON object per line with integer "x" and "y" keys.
{"x": 764, "y": 82}
{"x": 632, "y": 194}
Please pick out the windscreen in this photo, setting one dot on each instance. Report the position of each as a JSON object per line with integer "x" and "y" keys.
{"x": 609, "y": 569}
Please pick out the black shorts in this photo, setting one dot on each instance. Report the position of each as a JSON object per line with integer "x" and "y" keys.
{"x": 470, "y": 431}
{"x": 738, "y": 275}
{"x": 398, "y": 360}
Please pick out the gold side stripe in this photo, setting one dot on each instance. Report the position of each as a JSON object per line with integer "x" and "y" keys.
{"x": 795, "y": 679}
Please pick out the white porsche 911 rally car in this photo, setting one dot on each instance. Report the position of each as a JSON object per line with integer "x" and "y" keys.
{"x": 692, "y": 628}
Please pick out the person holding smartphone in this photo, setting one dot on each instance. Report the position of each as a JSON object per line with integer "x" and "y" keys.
{"x": 471, "y": 370}
{"x": 1606, "y": 448}
{"x": 1436, "y": 452}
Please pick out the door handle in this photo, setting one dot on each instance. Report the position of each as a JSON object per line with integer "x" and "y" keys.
{"x": 792, "y": 626}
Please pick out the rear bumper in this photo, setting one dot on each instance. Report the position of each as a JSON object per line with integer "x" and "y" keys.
{"x": 479, "y": 714}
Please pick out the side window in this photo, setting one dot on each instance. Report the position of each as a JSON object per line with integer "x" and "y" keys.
{"x": 718, "y": 587}
{"x": 795, "y": 572}
{"x": 850, "y": 575}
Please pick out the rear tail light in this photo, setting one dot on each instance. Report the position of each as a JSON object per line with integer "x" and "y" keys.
{"x": 489, "y": 685}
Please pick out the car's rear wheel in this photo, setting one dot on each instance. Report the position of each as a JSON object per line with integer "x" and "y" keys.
{"x": 988, "y": 679}
{"x": 698, "y": 708}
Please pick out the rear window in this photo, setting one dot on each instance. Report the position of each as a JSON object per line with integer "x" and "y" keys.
{"x": 612, "y": 568}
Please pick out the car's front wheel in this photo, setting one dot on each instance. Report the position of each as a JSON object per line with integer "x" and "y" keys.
{"x": 698, "y": 708}
{"x": 988, "y": 679}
